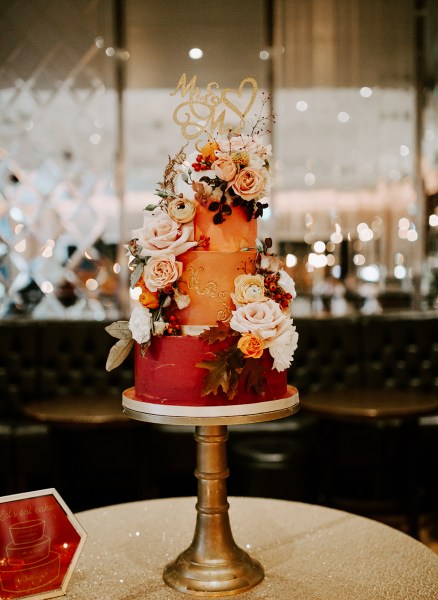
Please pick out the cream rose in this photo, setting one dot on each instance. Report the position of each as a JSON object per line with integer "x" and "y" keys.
{"x": 262, "y": 318}
{"x": 250, "y": 184}
{"x": 140, "y": 324}
{"x": 181, "y": 210}
{"x": 161, "y": 271}
{"x": 224, "y": 167}
{"x": 160, "y": 234}
{"x": 248, "y": 288}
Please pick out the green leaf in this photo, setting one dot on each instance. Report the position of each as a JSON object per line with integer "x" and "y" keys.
{"x": 152, "y": 207}
{"x": 253, "y": 371}
{"x": 119, "y": 330}
{"x": 136, "y": 274}
{"x": 118, "y": 353}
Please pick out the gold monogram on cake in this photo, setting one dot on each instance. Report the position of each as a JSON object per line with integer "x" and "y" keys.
{"x": 216, "y": 110}
{"x": 211, "y": 291}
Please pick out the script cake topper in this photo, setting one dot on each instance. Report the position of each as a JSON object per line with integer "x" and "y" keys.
{"x": 211, "y": 112}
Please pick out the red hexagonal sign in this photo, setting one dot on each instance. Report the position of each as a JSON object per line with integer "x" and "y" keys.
{"x": 40, "y": 543}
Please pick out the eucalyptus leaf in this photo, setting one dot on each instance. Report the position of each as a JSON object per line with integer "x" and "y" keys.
{"x": 152, "y": 207}
{"x": 119, "y": 330}
{"x": 136, "y": 274}
{"x": 118, "y": 353}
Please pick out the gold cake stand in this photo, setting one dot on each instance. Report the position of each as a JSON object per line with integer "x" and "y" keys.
{"x": 213, "y": 565}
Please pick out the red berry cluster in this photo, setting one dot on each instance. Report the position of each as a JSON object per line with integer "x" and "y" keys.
{"x": 276, "y": 292}
{"x": 173, "y": 326}
{"x": 204, "y": 242}
{"x": 201, "y": 164}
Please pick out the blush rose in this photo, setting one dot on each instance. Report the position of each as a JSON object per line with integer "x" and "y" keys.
{"x": 161, "y": 234}
{"x": 161, "y": 271}
{"x": 250, "y": 184}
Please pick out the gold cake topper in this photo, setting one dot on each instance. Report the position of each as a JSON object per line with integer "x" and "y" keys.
{"x": 211, "y": 112}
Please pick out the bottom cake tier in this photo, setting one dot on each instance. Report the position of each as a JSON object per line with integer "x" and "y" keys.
{"x": 168, "y": 382}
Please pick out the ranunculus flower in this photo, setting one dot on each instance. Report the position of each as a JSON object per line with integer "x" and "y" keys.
{"x": 265, "y": 319}
{"x": 161, "y": 271}
{"x": 160, "y": 234}
{"x": 283, "y": 348}
{"x": 149, "y": 299}
{"x": 224, "y": 167}
{"x": 181, "y": 210}
{"x": 287, "y": 283}
{"x": 208, "y": 151}
{"x": 271, "y": 263}
{"x": 140, "y": 324}
{"x": 251, "y": 345}
{"x": 248, "y": 288}
{"x": 250, "y": 184}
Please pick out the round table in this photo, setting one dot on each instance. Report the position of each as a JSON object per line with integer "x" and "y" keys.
{"x": 308, "y": 552}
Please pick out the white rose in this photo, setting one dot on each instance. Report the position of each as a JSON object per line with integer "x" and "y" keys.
{"x": 160, "y": 234}
{"x": 283, "y": 348}
{"x": 287, "y": 283}
{"x": 264, "y": 318}
{"x": 140, "y": 324}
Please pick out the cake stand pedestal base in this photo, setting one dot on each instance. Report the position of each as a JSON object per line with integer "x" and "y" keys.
{"x": 213, "y": 565}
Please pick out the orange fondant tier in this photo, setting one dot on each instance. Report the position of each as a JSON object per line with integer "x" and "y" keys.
{"x": 235, "y": 233}
{"x": 208, "y": 278}
{"x": 167, "y": 375}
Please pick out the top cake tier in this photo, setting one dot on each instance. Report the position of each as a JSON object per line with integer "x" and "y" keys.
{"x": 232, "y": 235}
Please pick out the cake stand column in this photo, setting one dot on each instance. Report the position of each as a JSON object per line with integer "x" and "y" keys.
{"x": 213, "y": 565}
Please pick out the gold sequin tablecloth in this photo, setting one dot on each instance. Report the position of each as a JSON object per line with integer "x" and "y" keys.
{"x": 308, "y": 552}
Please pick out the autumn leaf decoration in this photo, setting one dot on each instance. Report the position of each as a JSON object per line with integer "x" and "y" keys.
{"x": 122, "y": 348}
{"x": 229, "y": 366}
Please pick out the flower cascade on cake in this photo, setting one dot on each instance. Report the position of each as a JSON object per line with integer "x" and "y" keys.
{"x": 227, "y": 174}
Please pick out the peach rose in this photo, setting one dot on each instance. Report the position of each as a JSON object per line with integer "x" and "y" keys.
{"x": 250, "y": 184}
{"x": 251, "y": 345}
{"x": 181, "y": 210}
{"x": 225, "y": 168}
{"x": 248, "y": 288}
{"x": 160, "y": 234}
{"x": 161, "y": 271}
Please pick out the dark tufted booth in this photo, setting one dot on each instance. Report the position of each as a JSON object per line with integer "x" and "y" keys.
{"x": 51, "y": 359}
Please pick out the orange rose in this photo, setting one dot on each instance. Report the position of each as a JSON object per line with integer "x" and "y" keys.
{"x": 250, "y": 345}
{"x": 148, "y": 299}
{"x": 208, "y": 152}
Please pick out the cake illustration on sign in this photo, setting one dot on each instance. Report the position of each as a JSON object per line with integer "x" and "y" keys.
{"x": 211, "y": 326}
